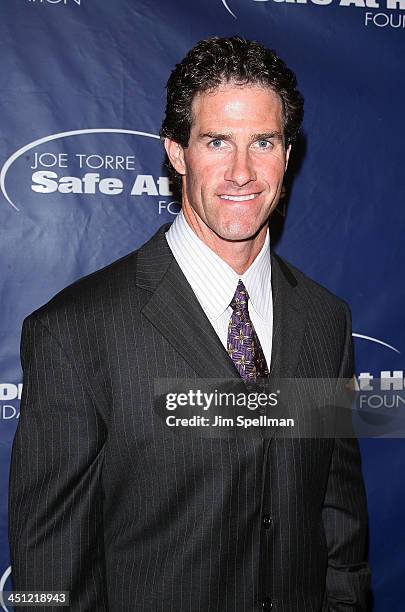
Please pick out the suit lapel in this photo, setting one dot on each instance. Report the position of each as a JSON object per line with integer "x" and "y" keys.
{"x": 175, "y": 311}
{"x": 288, "y": 320}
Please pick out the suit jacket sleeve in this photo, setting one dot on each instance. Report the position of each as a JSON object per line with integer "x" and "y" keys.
{"x": 55, "y": 503}
{"x": 345, "y": 515}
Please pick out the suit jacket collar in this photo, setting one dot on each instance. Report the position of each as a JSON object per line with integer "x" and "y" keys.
{"x": 175, "y": 311}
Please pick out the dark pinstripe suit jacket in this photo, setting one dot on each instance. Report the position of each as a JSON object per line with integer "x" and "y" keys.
{"x": 107, "y": 504}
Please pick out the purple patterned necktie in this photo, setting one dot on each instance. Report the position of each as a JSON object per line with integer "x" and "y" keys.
{"x": 244, "y": 347}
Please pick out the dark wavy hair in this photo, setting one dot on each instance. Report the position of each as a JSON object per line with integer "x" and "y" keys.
{"x": 215, "y": 61}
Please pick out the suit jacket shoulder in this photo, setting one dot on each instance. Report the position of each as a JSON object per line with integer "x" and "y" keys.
{"x": 111, "y": 280}
{"x": 310, "y": 322}
{"x": 312, "y": 289}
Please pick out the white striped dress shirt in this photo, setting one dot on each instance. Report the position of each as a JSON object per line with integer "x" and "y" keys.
{"x": 214, "y": 282}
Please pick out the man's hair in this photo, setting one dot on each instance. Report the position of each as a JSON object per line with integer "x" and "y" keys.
{"x": 217, "y": 61}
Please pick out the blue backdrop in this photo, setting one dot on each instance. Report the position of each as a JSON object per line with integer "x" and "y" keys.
{"x": 83, "y": 182}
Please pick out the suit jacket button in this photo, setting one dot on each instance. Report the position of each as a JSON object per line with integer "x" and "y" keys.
{"x": 267, "y": 604}
{"x": 267, "y": 521}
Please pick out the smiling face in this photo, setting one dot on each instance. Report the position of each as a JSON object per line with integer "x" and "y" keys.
{"x": 233, "y": 167}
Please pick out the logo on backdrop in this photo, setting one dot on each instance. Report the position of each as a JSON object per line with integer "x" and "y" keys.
{"x": 376, "y": 17}
{"x": 380, "y": 399}
{"x": 65, "y": 169}
{"x": 376, "y": 341}
{"x": 63, "y": 2}
{"x": 10, "y": 396}
{"x": 3, "y": 581}
{"x": 391, "y": 375}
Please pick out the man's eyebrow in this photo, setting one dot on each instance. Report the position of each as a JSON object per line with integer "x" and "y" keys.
{"x": 268, "y": 135}
{"x": 215, "y": 135}
{"x": 262, "y": 136}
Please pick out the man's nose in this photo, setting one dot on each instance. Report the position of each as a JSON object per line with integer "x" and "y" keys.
{"x": 241, "y": 169}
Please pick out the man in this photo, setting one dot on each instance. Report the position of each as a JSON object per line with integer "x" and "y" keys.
{"x": 106, "y": 501}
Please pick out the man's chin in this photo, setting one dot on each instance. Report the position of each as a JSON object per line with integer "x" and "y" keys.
{"x": 236, "y": 232}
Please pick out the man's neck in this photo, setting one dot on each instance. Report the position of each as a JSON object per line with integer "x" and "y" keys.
{"x": 238, "y": 254}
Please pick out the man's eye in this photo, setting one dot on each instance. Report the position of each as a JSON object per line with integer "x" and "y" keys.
{"x": 264, "y": 144}
{"x": 216, "y": 143}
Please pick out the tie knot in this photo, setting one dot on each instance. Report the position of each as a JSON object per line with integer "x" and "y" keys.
{"x": 240, "y": 300}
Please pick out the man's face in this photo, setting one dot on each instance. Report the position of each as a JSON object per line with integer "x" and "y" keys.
{"x": 235, "y": 161}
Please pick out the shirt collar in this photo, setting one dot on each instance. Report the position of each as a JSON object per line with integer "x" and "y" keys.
{"x": 213, "y": 281}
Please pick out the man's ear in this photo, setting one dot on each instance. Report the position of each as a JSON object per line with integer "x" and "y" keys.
{"x": 287, "y": 156}
{"x": 175, "y": 153}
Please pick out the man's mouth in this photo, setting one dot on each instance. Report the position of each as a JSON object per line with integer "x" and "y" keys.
{"x": 240, "y": 198}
